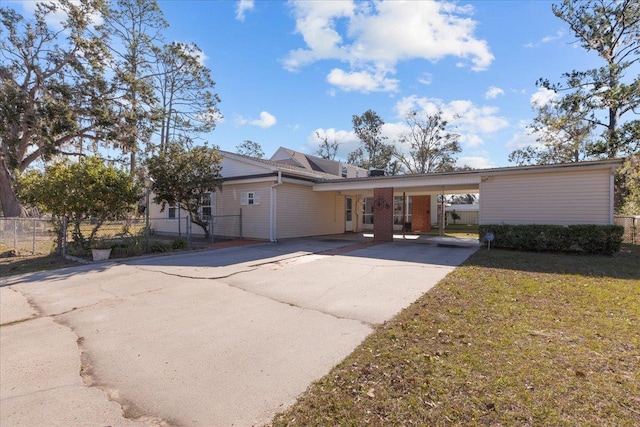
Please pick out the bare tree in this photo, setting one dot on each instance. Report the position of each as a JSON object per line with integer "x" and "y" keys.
{"x": 327, "y": 150}
{"x": 250, "y": 148}
{"x": 187, "y": 105}
{"x": 432, "y": 148}
{"x": 135, "y": 27}
{"x": 374, "y": 152}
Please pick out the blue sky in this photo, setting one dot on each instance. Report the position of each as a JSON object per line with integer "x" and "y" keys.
{"x": 286, "y": 70}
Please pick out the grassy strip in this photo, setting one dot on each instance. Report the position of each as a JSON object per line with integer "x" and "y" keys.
{"x": 510, "y": 338}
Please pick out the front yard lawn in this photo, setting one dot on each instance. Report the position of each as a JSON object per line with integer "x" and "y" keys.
{"x": 509, "y": 338}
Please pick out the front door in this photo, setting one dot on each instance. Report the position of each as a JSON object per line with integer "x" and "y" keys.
{"x": 348, "y": 214}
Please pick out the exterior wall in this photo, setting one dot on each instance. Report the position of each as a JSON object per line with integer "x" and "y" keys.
{"x": 421, "y": 213}
{"x": 383, "y": 216}
{"x": 575, "y": 197}
{"x": 303, "y": 212}
{"x": 232, "y": 167}
{"x": 255, "y": 218}
{"x": 356, "y": 172}
{"x": 161, "y": 224}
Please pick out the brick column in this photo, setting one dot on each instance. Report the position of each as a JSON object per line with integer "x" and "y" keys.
{"x": 421, "y": 213}
{"x": 383, "y": 214}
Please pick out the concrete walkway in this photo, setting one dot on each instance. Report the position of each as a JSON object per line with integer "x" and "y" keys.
{"x": 213, "y": 338}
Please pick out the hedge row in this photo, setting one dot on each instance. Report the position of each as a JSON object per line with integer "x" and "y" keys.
{"x": 592, "y": 239}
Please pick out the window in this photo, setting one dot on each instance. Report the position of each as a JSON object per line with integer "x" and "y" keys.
{"x": 398, "y": 211}
{"x": 367, "y": 211}
{"x": 205, "y": 210}
{"x": 172, "y": 212}
{"x": 344, "y": 171}
{"x": 250, "y": 198}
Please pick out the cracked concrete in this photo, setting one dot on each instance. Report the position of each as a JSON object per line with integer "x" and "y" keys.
{"x": 39, "y": 368}
{"x": 225, "y": 337}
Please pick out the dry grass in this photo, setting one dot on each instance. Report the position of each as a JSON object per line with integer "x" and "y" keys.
{"x": 507, "y": 339}
{"x": 24, "y": 262}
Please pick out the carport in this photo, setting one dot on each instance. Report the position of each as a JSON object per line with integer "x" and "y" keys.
{"x": 567, "y": 193}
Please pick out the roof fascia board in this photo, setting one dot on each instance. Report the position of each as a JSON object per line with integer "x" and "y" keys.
{"x": 519, "y": 170}
{"x": 405, "y": 181}
{"x": 249, "y": 179}
{"x": 297, "y": 181}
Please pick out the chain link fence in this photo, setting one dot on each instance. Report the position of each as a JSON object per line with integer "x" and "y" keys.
{"x": 43, "y": 236}
{"x": 34, "y": 235}
{"x": 631, "y": 226}
{"x": 220, "y": 227}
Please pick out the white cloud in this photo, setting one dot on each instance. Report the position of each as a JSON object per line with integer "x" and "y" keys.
{"x": 471, "y": 140}
{"x": 546, "y": 39}
{"x": 476, "y": 162}
{"x": 243, "y": 6}
{"x": 493, "y": 92}
{"x": 521, "y": 140}
{"x": 347, "y": 139}
{"x": 240, "y": 120}
{"x": 468, "y": 120}
{"x": 379, "y": 35}
{"x": 425, "y": 78}
{"x": 266, "y": 120}
{"x": 362, "y": 81}
{"x": 542, "y": 97}
{"x": 57, "y": 17}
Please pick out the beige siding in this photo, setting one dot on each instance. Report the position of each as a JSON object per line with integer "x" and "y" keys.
{"x": 303, "y": 212}
{"x": 255, "y": 218}
{"x": 231, "y": 168}
{"x": 576, "y": 197}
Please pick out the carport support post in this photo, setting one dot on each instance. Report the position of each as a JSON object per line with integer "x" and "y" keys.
{"x": 442, "y": 214}
{"x": 383, "y": 214}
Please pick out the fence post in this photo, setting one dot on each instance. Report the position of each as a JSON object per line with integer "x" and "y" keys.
{"x": 62, "y": 240}
{"x": 241, "y": 223}
{"x": 33, "y": 248}
{"x": 211, "y": 223}
{"x": 15, "y": 233}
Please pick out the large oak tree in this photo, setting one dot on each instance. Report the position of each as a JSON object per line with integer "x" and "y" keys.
{"x": 51, "y": 88}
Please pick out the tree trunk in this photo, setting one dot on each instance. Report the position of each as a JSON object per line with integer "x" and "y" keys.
{"x": 11, "y": 206}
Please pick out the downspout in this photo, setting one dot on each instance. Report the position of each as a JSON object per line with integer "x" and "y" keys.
{"x": 612, "y": 195}
{"x": 273, "y": 209}
{"x": 442, "y": 215}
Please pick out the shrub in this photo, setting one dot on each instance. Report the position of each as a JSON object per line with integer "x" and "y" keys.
{"x": 591, "y": 238}
{"x": 159, "y": 246}
{"x": 180, "y": 243}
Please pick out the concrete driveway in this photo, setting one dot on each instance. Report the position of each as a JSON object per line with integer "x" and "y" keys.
{"x": 225, "y": 337}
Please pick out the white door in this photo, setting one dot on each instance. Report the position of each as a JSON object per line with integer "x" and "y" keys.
{"x": 348, "y": 214}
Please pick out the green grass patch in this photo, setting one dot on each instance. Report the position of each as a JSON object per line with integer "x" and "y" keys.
{"x": 465, "y": 231}
{"x": 509, "y": 338}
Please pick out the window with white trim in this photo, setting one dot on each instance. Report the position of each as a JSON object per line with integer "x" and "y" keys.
{"x": 172, "y": 212}
{"x": 205, "y": 210}
{"x": 249, "y": 198}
